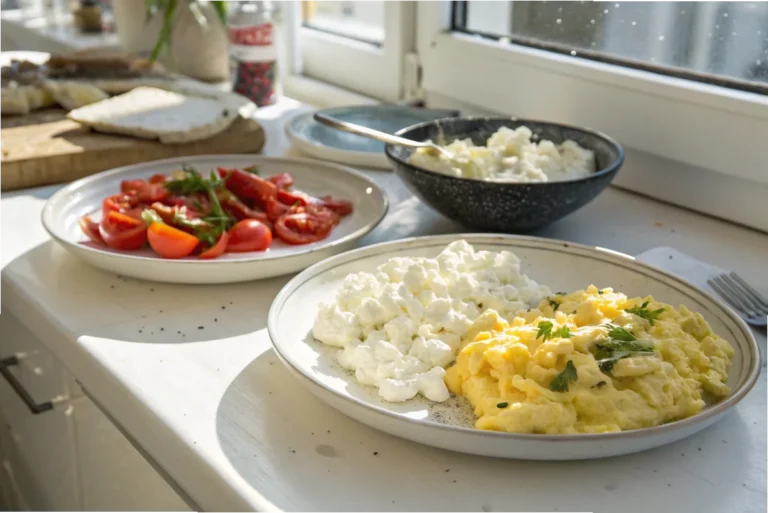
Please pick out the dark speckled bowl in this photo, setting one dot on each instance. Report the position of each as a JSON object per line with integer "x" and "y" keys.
{"x": 504, "y": 207}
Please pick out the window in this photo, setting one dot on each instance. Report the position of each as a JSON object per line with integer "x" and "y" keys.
{"x": 724, "y": 43}
{"x": 359, "y": 46}
{"x": 690, "y": 109}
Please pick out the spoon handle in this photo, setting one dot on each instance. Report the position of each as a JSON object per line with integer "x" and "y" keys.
{"x": 366, "y": 132}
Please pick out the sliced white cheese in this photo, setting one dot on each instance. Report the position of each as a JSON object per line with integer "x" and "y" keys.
{"x": 152, "y": 113}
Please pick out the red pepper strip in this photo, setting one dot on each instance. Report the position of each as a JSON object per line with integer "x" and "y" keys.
{"x": 249, "y": 187}
{"x": 237, "y": 208}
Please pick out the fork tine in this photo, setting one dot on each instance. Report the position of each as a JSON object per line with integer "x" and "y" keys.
{"x": 733, "y": 297}
{"x": 745, "y": 296}
{"x": 727, "y": 296}
{"x": 752, "y": 292}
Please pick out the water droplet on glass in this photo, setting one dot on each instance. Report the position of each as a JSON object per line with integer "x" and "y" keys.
{"x": 682, "y": 12}
{"x": 558, "y": 21}
{"x": 560, "y": 9}
{"x": 605, "y": 11}
{"x": 758, "y": 62}
{"x": 593, "y": 44}
{"x": 592, "y": 22}
{"x": 725, "y": 15}
{"x": 661, "y": 38}
{"x": 717, "y": 26}
{"x": 733, "y": 33}
{"x": 634, "y": 23}
{"x": 616, "y": 5}
{"x": 573, "y": 52}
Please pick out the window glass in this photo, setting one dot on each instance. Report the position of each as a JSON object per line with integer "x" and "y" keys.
{"x": 363, "y": 21}
{"x": 719, "y": 42}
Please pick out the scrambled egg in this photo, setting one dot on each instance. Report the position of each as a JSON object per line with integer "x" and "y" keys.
{"x": 591, "y": 361}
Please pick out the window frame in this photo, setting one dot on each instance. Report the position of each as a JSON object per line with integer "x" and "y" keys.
{"x": 700, "y": 125}
{"x": 317, "y": 55}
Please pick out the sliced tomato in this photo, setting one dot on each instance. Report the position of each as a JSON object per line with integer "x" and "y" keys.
{"x": 293, "y": 197}
{"x": 121, "y": 231}
{"x": 302, "y": 228}
{"x": 158, "y": 178}
{"x": 124, "y": 203}
{"x": 341, "y": 207}
{"x": 249, "y": 235}
{"x": 276, "y": 209}
{"x": 217, "y": 249}
{"x": 91, "y": 229}
{"x": 237, "y": 208}
{"x": 322, "y": 212}
{"x": 170, "y": 242}
{"x": 282, "y": 181}
{"x": 250, "y": 188}
{"x": 145, "y": 192}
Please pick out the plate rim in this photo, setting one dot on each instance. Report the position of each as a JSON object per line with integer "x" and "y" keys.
{"x": 755, "y": 358}
{"x": 352, "y": 157}
{"x": 373, "y": 159}
{"x": 68, "y": 189}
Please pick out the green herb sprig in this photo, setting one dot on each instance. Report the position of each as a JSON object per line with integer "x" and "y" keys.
{"x": 560, "y": 383}
{"x": 645, "y": 313}
{"x": 554, "y": 304}
{"x": 619, "y": 333}
{"x": 608, "y": 352}
{"x": 545, "y": 330}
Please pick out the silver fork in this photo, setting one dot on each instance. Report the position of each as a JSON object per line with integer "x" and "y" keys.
{"x": 748, "y": 302}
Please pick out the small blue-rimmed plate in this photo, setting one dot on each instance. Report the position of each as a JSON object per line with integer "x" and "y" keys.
{"x": 328, "y": 143}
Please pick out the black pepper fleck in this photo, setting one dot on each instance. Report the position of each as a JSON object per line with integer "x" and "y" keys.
{"x": 223, "y": 307}
{"x": 139, "y": 331}
{"x": 162, "y": 329}
{"x": 111, "y": 286}
{"x": 699, "y": 448}
{"x": 215, "y": 320}
{"x": 201, "y": 327}
{"x": 375, "y": 453}
{"x": 151, "y": 290}
{"x": 447, "y": 470}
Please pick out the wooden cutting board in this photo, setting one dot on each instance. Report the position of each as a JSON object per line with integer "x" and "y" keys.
{"x": 45, "y": 148}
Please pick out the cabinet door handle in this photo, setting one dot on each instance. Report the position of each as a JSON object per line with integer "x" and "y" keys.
{"x": 35, "y": 408}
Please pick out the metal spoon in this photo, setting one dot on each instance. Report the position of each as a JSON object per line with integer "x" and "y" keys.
{"x": 371, "y": 133}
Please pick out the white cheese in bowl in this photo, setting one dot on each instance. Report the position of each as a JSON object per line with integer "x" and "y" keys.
{"x": 510, "y": 156}
{"x": 400, "y": 326}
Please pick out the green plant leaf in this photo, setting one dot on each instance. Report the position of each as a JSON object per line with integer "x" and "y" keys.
{"x": 164, "y": 39}
{"x": 560, "y": 383}
{"x": 220, "y": 8}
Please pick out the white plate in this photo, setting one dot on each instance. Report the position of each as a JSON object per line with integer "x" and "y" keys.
{"x": 327, "y": 143}
{"x": 562, "y": 266}
{"x": 64, "y": 209}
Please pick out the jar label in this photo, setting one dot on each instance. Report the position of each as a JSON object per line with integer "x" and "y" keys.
{"x": 252, "y": 43}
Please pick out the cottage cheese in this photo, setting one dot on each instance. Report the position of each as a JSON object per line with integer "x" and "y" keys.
{"x": 510, "y": 156}
{"x": 399, "y": 327}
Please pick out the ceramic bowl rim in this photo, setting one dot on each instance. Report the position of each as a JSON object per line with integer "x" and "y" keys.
{"x": 610, "y": 168}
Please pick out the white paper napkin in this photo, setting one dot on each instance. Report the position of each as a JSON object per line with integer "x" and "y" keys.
{"x": 677, "y": 262}
{"x": 685, "y": 266}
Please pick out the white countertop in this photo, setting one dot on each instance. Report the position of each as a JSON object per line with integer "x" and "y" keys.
{"x": 189, "y": 374}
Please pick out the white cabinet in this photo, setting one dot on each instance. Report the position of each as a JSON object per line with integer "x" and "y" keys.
{"x": 114, "y": 476}
{"x": 71, "y": 457}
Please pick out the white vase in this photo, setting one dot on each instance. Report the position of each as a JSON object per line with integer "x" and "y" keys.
{"x": 198, "y": 51}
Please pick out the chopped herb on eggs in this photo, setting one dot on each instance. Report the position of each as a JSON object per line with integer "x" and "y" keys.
{"x": 645, "y": 313}
{"x": 560, "y": 383}
{"x": 619, "y": 333}
{"x": 608, "y": 352}
{"x": 563, "y": 332}
{"x": 599, "y": 384}
{"x": 554, "y": 304}
{"x": 502, "y": 405}
{"x": 545, "y": 330}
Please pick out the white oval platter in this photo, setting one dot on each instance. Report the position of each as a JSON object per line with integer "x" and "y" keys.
{"x": 64, "y": 209}
{"x": 558, "y": 264}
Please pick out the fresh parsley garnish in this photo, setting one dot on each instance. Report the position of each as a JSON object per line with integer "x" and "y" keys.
{"x": 254, "y": 170}
{"x": 217, "y": 220}
{"x": 599, "y": 384}
{"x": 545, "y": 330}
{"x": 563, "y": 332}
{"x": 554, "y": 304}
{"x": 560, "y": 293}
{"x": 502, "y": 405}
{"x": 642, "y": 311}
{"x": 608, "y": 352}
{"x": 560, "y": 383}
{"x": 600, "y": 292}
{"x": 619, "y": 333}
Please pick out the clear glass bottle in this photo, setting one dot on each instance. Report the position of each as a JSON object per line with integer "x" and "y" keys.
{"x": 251, "y": 27}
